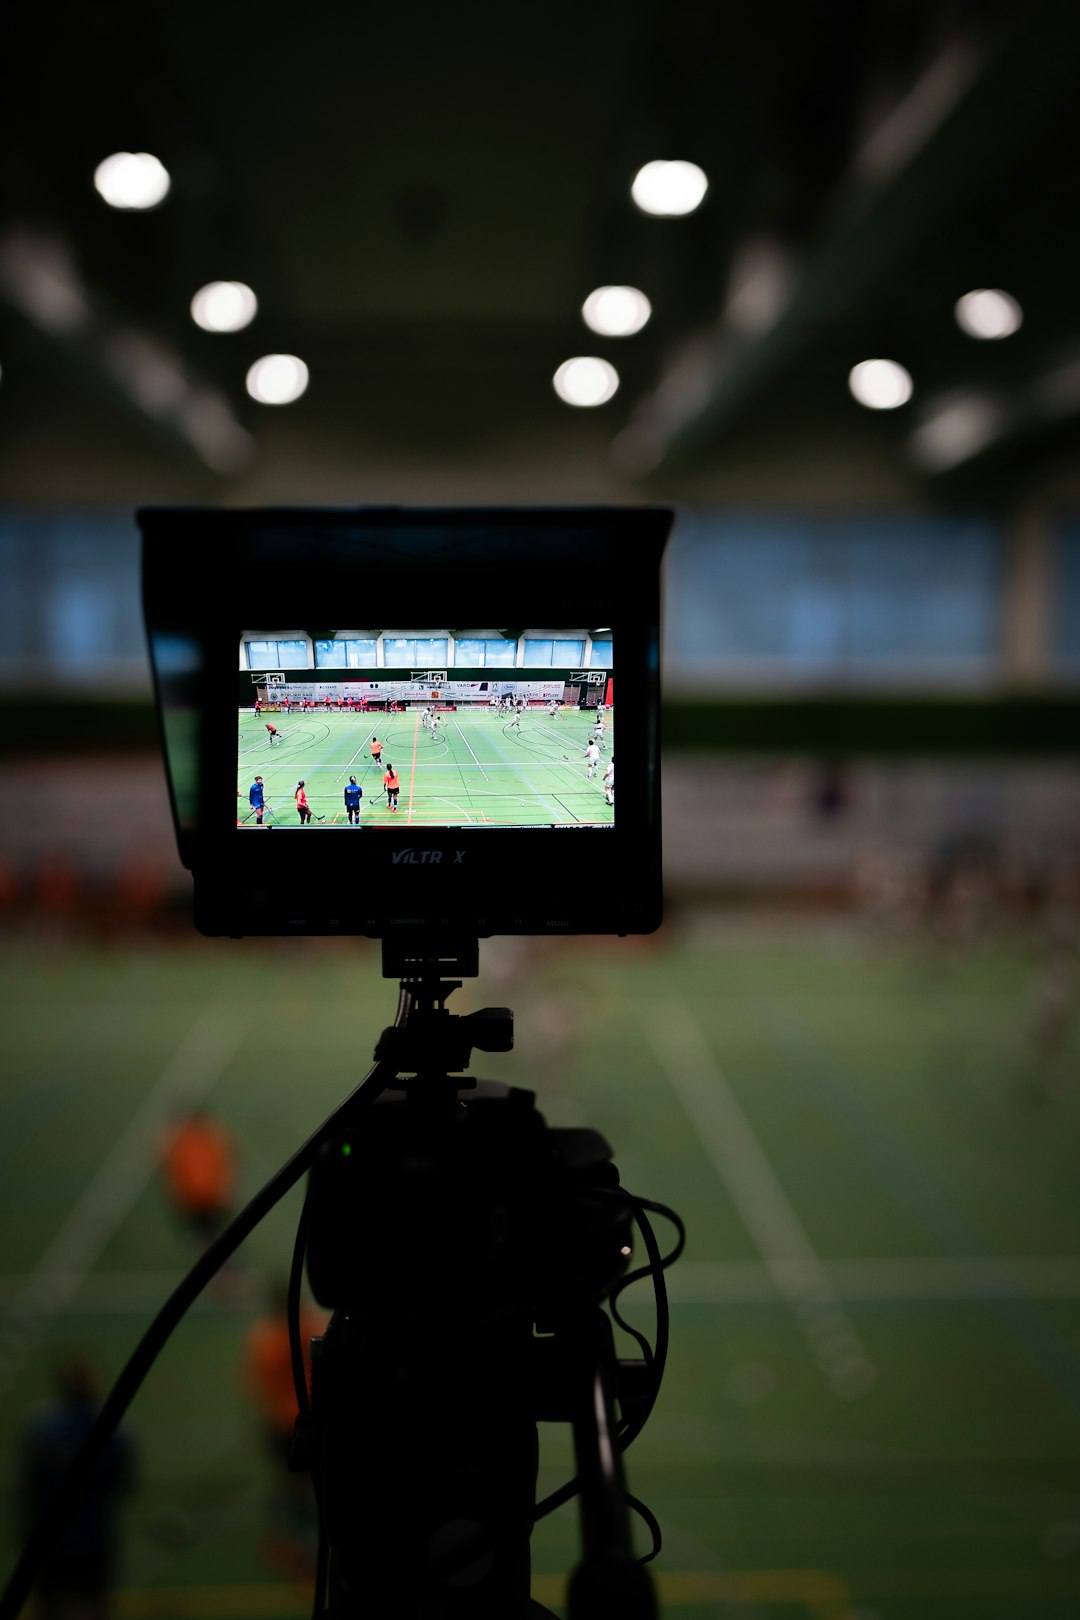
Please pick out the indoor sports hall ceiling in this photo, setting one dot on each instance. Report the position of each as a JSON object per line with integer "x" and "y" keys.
{"x": 422, "y": 195}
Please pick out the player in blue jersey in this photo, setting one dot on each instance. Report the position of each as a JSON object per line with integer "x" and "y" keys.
{"x": 353, "y": 794}
{"x": 257, "y": 800}
{"x": 80, "y": 1574}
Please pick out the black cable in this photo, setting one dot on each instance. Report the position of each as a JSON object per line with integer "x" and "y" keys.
{"x": 652, "y": 1523}
{"x": 663, "y": 1324}
{"x": 322, "y": 1573}
{"x": 76, "y": 1476}
{"x": 668, "y": 1259}
{"x": 628, "y": 1432}
{"x": 655, "y": 1361}
{"x": 296, "y": 1280}
{"x": 635, "y": 1333}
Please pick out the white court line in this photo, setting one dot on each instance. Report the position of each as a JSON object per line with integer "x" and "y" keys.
{"x": 187, "y": 1078}
{"x": 352, "y": 761}
{"x": 468, "y": 745}
{"x": 521, "y": 775}
{"x": 915, "y": 1279}
{"x": 769, "y": 1217}
{"x": 971, "y": 1279}
{"x": 441, "y": 798}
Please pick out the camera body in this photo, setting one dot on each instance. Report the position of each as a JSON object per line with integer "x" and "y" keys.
{"x": 485, "y": 838}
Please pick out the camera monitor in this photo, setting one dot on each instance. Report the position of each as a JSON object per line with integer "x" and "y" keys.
{"x": 426, "y": 701}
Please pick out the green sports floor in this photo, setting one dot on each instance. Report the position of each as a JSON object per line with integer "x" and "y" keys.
{"x": 480, "y": 768}
{"x": 872, "y": 1409}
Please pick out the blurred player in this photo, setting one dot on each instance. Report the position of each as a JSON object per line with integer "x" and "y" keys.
{"x": 391, "y": 782}
{"x": 353, "y": 794}
{"x": 257, "y": 800}
{"x": 303, "y": 808}
{"x": 198, "y": 1165}
{"x": 285, "y": 702}
{"x": 258, "y": 708}
{"x": 598, "y": 733}
{"x": 273, "y": 733}
{"x": 434, "y": 727}
{"x": 77, "y": 1579}
{"x": 553, "y": 709}
{"x": 268, "y": 1379}
{"x": 376, "y": 751}
{"x": 609, "y": 782}
{"x": 515, "y": 724}
{"x": 592, "y": 756}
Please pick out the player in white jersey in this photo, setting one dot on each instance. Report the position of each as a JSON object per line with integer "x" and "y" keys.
{"x": 434, "y": 725}
{"x": 553, "y": 709}
{"x": 592, "y": 755}
{"x": 609, "y": 782}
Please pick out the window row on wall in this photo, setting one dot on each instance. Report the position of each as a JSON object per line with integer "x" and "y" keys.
{"x": 849, "y": 599}
{"x": 425, "y": 652}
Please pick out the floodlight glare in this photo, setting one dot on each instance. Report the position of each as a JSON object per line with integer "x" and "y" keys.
{"x": 880, "y": 385}
{"x": 277, "y": 379}
{"x": 223, "y": 306}
{"x": 669, "y": 188}
{"x": 616, "y": 311}
{"x": 586, "y": 380}
{"x": 988, "y": 313}
{"x": 132, "y": 180}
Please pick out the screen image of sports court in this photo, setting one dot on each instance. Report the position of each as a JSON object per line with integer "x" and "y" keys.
{"x": 507, "y": 729}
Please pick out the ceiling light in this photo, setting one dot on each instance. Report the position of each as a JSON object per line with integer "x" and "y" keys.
{"x": 880, "y": 385}
{"x": 132, "y": 180}
{"x": 988, "y": 313}
{"x": 616, "y": 311}
{"x": 223, "y": 306}
{"x": 669, "y": 188}
{"x": 586, "y": 380}
{"x": 277, "y": 379}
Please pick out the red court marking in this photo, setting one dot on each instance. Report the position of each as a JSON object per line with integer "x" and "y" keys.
{"x": 412, "y": 768}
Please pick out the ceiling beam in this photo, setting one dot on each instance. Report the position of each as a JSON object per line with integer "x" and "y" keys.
{"x": 977, "y": 108}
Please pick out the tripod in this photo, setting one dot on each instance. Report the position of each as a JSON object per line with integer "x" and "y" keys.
{"x": 464, "y": 1247}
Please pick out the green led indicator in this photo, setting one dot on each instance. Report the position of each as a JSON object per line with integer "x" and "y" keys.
{"x": 346, "y": 1149}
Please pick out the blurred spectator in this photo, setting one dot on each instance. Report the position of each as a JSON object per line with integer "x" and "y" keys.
{"x": 268, "y": 1378}
{"x": 9, "y": 889}
{"x": 79, "y": 1577}
{"x": 57, "y": 889}
{"x": 830, "y": 792}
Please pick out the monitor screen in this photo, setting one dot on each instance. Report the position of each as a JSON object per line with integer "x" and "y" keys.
{"x": 489, "y": 730}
